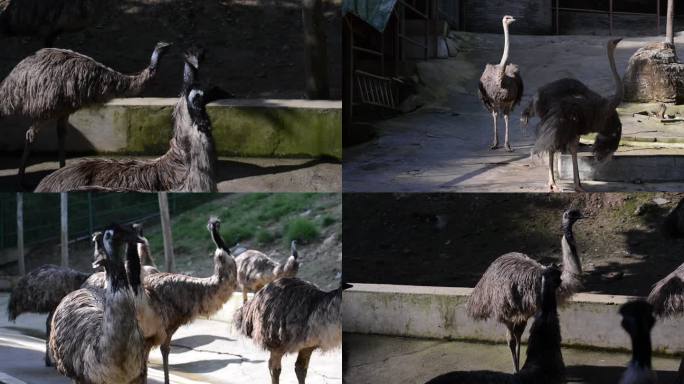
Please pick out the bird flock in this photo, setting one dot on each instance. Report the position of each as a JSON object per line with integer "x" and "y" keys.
{"x": 566, "y": 108}
{"x": 515, "y": 288}
{"x": 101, "y": 327}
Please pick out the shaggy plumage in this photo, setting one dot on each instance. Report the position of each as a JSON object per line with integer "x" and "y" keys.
{"x": 667, "y": 295}
{"x": 291, "y": 315}
{"x": 510, "y": 289}
{"x": 48, "y": 19}
{"x": 544, "y": 363}
{"x": 96, "y": 338}
{"x": 568, "y": 109}
{"x": 187, "y": 166}
{"x": 638, "y": 320}
{"x": 501, "y": 87}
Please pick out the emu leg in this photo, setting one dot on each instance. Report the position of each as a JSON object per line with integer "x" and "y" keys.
{"x": 552, "y": 178}
{"x": 61, "y": 134}
{"x": 165, "y": 349}
{"x": 302, "y": 364}
{"x": 28, "y": 143}
{"x": 274, "y": 366}
{"x": 512, "y": 345}
{"x": 48, "y": 329}
{"x": 575, "y": 168}
{"x": 244, "y": 296}
{"x": 506, "y": 144}
{"x": 518, "y": 330}
{"x": 680, "y": 378}
{"x": 495, "y": 143}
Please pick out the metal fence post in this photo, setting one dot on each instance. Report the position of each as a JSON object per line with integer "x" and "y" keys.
{"x": 64, "y": 228}
{"x": 20, "y": 233}
{"x": 166, "y": 231}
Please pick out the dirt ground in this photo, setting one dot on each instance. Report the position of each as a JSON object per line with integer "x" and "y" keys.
{"x": 450, "y": 239}
{"x": 255, "y": 49}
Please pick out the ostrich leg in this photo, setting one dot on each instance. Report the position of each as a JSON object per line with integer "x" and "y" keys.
{"x": 274, "y": 366}
{"x": 512, "y": 344}
{"x": 302, "y": 364}
{"x": 552, "y": 178}
{"x": 506, "y": 144}
{"x": 61, "y": 134}
{"x": 495, "y": 143}
{"x": 575, "y": 168}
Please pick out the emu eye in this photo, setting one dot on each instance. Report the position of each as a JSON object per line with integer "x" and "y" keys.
{"x": 195, "y": 97}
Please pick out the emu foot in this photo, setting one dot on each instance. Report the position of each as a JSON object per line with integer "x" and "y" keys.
{"x": 553, "y": 187}
{"x": 579, "y": 188}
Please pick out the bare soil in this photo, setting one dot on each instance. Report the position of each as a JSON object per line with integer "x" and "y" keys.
{"x": 450, "y": 239}
{"x": 254, "y": 49}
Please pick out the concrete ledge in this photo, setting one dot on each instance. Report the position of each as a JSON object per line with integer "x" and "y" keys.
{"x": 245, "y": 128}
{"x": 587, "y": 320}
{"x": 647, "y": 165}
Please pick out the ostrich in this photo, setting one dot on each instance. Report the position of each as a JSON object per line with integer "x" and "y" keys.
{"x": 54, "y": 83}
{"x": 638, "y": 320}
{"x": 187, "y": 166}
{"x": 568, "y": 109}
{"x": 544, "y": 363}
{"x": 254, "y": 268}
{"x": 501, "y": 87}
{"x": 291, "y": 315}
{"x": 173, "y": 300}
{"x": 667, "y": 298}
{"x": 47, "y": 20}
{"x": 95, "y": 335}
{"x": 510, "y": 289}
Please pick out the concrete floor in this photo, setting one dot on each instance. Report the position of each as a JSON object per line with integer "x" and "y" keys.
{"x": 205, "y": 351}
{"x": 444, "y": 146}
{"x": 233, "y": 174}
{"x": 374, "y": 359}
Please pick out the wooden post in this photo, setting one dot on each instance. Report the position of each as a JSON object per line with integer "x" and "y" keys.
{"x": 166, "y": 231}
{"x": 669, "y": 34}
{"x": 20, "y": 233}
{"x": 64, "y": 221}
{"x": 315, "y": 50}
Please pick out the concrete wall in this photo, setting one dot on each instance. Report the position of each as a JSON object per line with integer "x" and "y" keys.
{"x": 485, "y": 16}
{"x": 587, "y": 320}
{"x": 143, "y": 126}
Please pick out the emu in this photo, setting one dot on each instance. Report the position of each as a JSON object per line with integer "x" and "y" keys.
{"x": 544, "y": 363}
{"x": 188, "y": 165}
{"x": 637, "y": 321}
{"x": 48, "y": 20}
{"x": 510, "y": 289}
{"x": 568, "y": 109}
{"x": 254, "y": 268}
{"x": 54, "y": 83}
{"x": 501, "y": 87}
{"x": 667, "y": 299}
{"x": 95, "y": 335}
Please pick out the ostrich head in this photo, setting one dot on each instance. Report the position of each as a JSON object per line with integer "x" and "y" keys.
{"x": 571, "y": 216}
{"x": 508, "y": 20}
{"x": 159, "y": 50}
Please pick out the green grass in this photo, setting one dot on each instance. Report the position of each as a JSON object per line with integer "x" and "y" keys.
{"x": 299, "y": 229}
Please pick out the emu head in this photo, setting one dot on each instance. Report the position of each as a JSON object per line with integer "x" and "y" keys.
{"x": 551, "y": 278}
{"x": 159, "y": 50}
{"x": 214, "y": 224}
{"x": 637, "y": 317}
{"x": 293, "y": 249}
{"x": 612, "y": 44}
{"x": 571, "y": 216}
{"x": 138, "y": 227}
{"x": 98, "y": 253}
{"x": 508, "y": 20}
{"x": 113, "y": 237}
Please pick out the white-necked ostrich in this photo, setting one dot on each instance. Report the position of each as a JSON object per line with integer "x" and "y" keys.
{"x": 48, "y": 19}
{"x": 510, "y": 289}
{"x": 637, "y": 321}
{"x": 254, "y": 268}
{"x": 667, "y": 298}
{"x": 290, "y": 315}
{"x": 501, "y": 87}
{"x": 568, "y": 109}
{"x": 188, "y": 165}
{"x": 95, "y": 334}
{"x": 544, "y": 363}
{"x": 53, "y": 83}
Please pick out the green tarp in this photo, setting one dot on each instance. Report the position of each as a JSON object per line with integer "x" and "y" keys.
{"x": 373, "y": 12}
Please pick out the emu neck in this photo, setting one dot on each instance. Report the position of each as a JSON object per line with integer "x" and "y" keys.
{"x": 133, "y": 268}
{"x": 619, "y": 89}
{"x": 571, "y": 262}
{"x": 504, "y": 57}
{"x": 199, "y": 152}
{"x": 218, "y": 240}
{"x": 641, "y": 349}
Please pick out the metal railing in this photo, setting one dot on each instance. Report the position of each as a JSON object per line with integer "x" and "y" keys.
{"x": 557, "y": 8}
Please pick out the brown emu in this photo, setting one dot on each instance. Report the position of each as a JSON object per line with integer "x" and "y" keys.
{"x": 544, "y": 363}
{"x": 501, "y": 87}
{"x": 53, "y": 83}
{"x": 254, "y": 268}
{"x": 568, "y": 109}
{"x": 187, "y": 166}
{"x": 95, "y": 335}
{"x": 290, "y": 315}
{"x": 638, "y": 320}
{"x": 510, "y": 289}
{"x": 48, "y": 19}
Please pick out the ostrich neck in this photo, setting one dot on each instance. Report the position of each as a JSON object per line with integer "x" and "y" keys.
{"x": 504, "y": 57}
{"x": 619, "y": 90}
{"x": 571, "y": 262}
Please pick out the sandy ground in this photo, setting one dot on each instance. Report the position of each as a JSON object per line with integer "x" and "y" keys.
{"x": 444, "y": 146}
{"x": 372, "y": 359}
{"x": 450, "y": 239}
{"x": 205, "y": 351}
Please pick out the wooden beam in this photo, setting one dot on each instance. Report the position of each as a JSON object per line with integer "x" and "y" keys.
{"x": 20, "y": 233}
{"x": 64, "y": 227}
{"x": 166, "y": 231}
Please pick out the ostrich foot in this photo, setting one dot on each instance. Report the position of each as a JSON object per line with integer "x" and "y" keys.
{"x": 494, "y": 146}
{"x": 579, "y": 188}
{"x": 553, "y": 187}
{"x": 508, "y": 148}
